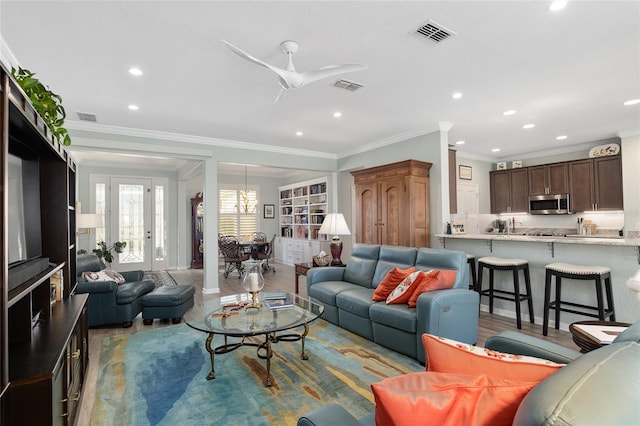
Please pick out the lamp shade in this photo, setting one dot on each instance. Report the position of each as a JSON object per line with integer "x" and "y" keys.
{"x": 334, "y": 224}
{"x": 86, "y": 221}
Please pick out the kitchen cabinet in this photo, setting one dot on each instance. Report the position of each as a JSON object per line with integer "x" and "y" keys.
{"x": 548, "y": 179}
{"x": 392, "y": 204}
{"x": 595, "y": 184}
{"x": 509, "y": 190}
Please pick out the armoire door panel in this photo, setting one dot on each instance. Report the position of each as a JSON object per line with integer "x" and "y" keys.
{"x": 393, "y": 211}
{"x": 367, "y": 213}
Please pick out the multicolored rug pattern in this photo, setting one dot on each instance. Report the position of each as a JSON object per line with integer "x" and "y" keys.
{"x": 157, "y": 377}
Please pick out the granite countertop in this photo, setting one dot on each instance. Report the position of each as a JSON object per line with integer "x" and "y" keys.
{"x": 569, "y": 239}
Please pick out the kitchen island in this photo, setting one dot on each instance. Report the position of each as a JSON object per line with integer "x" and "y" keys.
{"x": 622, "y": 255}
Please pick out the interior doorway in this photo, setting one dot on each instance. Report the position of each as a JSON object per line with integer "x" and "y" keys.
{"x": 469, "y": 205}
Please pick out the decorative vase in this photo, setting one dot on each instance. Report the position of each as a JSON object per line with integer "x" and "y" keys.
{"x": 253, "y": 281}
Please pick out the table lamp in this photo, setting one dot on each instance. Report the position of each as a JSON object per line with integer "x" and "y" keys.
{"x": 334, "y": 224}
{"x": 87, "y": 222}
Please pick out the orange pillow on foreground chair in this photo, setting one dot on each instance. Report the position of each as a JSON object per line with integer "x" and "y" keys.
{"x": 449, "y": 356}
{"x": 447, "y": 399}
{"x": 390, "y": 281}
{"x": 444, "y": 278}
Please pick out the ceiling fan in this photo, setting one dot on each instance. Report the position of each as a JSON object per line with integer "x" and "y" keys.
{"x": 291, "y": 79}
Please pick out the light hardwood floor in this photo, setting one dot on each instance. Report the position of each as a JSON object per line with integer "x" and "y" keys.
{"x": 282, "y": 280}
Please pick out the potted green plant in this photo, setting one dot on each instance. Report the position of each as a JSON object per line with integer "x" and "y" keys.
{"x": 104, "y": 252}
{"x": 45, "y": 102}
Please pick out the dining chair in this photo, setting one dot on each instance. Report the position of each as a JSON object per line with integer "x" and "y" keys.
{"x": 233, "y": 256}
{"x": 266, "y": 256}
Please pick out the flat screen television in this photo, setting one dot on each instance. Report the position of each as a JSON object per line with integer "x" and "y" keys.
{"x": 23, "y": 214}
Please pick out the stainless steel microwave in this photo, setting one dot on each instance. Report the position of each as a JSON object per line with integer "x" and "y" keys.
{"x": 549, "y": 204}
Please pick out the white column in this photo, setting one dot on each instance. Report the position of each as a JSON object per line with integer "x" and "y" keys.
{"x": 211, "y": 275}
{"x": 630, "y": 146}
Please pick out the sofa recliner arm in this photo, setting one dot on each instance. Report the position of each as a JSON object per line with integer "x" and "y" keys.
{"x": 516, "y": 343}
{"x": 333, "y": 415}
{"x": 96, "y": 287}
{"x": 325, "y": 273}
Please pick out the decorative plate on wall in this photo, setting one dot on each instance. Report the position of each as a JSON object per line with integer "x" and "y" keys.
{"x": 604, "y": 150}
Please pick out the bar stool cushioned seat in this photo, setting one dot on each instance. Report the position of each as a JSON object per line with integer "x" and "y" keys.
{"x": 498, "y": 263}
{"x": 167, "y": 302}
{"x": 577, "y": 272}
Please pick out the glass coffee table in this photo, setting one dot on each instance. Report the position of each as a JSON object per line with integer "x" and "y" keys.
{"x": 230, "y": 317}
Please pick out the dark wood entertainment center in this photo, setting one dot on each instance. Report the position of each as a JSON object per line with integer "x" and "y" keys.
{"x": 44, "y": 352}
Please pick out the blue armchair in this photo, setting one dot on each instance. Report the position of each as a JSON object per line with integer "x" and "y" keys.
{"x": 109, "y": 302}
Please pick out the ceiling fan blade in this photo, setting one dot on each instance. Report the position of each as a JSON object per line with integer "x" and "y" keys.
{"x": 330, "y": 71}
{"x": 250, "y": 58}
{"x": 280, "y": 95}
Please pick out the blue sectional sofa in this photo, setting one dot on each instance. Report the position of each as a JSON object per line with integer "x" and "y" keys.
{"x": 346, "y": 293}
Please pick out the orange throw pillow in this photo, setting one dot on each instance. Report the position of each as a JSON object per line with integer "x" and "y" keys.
{"x": 447, "y": 399}
{"x": 390, "y": 281}
{"x": 449, "y": 356}
{"x": 404, "y": 290}
{"x": 444, "y": 278}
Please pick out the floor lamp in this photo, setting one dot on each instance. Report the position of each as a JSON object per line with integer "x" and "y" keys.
{"x": 334, "y": 224}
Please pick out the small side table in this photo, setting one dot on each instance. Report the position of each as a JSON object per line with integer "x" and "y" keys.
{"x": 585, "y": 341}
{"x": 303, "y": 267}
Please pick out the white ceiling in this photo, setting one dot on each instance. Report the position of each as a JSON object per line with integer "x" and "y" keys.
{"x": 568, "y": 72}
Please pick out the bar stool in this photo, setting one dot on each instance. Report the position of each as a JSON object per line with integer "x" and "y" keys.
{"x": 471, "y": 260}
{"x": 577, "y": 272}
{"x": 515, "y": 265}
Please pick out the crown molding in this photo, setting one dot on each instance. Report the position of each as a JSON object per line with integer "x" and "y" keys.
{"x": 129, "y": 132}
{"x": 6, "y": 55}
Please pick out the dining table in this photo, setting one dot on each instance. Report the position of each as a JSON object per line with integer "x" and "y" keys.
{"x": 254, "y": 248}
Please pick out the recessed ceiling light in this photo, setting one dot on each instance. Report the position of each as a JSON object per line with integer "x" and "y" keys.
{"x": 135, "y": 71}
{"x": 561, "y": 138}
{"x": 557, "y": 5}
{"x": 632, "y": 102}
{"x": 337, "y": 114}
{"x": 529, "y": 126}
{"x": 299, "y": 133}
{"x": 495, "y": 150}
{"x": 456, "y": 95}
{"x": 460, "y": 143}
{"x": 133, "y": 107}
{"x": 509, "y": 112}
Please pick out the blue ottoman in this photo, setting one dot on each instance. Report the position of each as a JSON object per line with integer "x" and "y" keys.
{"x": 167, "y": 302}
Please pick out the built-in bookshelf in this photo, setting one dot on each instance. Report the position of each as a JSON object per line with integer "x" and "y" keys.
{"x": 303, "y": 207}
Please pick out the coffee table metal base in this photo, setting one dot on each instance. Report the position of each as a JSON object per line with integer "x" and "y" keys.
{"x": 264, "y": 350}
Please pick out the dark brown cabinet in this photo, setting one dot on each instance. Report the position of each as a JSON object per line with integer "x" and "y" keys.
{"x": 43, "y": 356}
{"x": 392, "y": 204}
{"x": 548, "y": 179}
{"x": 509, "y": 191}
{"x": 595, "y": 184}
{"x": 197, "y": 231}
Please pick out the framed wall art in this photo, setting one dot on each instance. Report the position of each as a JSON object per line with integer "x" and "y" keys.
{"x": 464, "y": 172}
{"x": 269, "y": 211}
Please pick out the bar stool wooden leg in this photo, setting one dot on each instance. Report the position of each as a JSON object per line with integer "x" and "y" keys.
{"x": 474, "y": 279}
{"x": 607, "y": 286}
{"x": 547, "y": 297}
{"x": 527, "y": 283}
{"x": 558, "y": 305}
{"x": 516, "y": 292}
{"x": 490, "y": 290}
{"x": 599, "y": 298}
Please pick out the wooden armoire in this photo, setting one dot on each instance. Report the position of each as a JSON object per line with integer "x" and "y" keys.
{"x": 392, "y": 204}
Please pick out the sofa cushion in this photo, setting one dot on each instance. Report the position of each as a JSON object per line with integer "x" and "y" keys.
{"x": 430, "y": 258}
{"x": 390, "y": 281}
{"x": 434, "y": 280}
{"x": 327, "y": 291}
{"x": 598, "y": 388}
{"x": 631, "y": 334}
{"x": 404, "y": 290}
{"x": 129, "y": 292}
{"x": 449, "y": 356}
{"x": 392, "y": 256}
{"x": 362, "y": 264}
{"x": 396, "y": 316}
{"x": 356, "y": 300}
{"x": 447, "y": 399}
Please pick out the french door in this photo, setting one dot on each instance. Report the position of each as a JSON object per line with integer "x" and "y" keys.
{"x": 134, "y": 211}
{"x": 131, "y": 222}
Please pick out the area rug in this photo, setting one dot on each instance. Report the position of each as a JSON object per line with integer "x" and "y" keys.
{"x": 161, "y": 278}
{"x": 158, "y": 377}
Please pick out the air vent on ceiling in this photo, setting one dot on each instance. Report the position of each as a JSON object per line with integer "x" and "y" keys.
{"x": 87, "y": 116}
{"x": 435, "y": 33}
{"x": 348, "y": 85}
